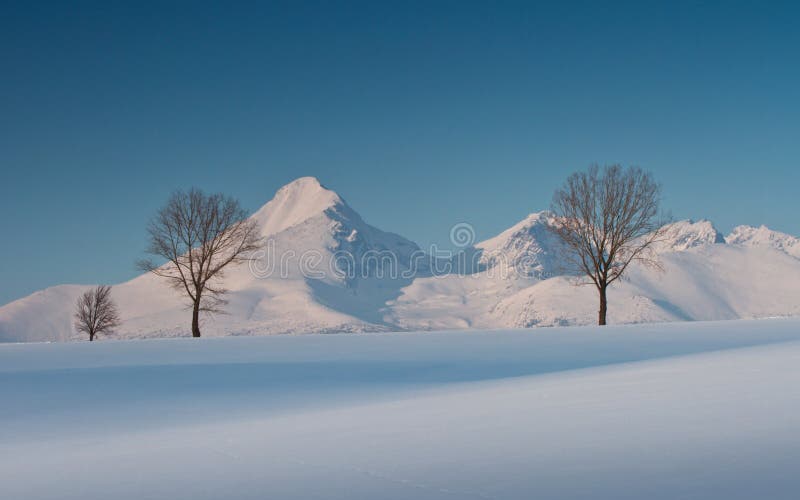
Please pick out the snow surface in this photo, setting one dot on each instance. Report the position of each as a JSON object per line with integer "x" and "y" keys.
{"x": 659, "y": 411}
{"x": 519, "y": 278}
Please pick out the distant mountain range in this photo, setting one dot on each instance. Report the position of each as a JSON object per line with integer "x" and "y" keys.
{"x": 324, "y": 269}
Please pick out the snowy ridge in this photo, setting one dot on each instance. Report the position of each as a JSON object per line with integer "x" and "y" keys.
{"x": 763, "y": 237}
{"x": 518, "y": 278}
{"x": 686, "y": 234}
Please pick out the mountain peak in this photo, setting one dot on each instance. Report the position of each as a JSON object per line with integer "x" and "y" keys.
{"x": 741, "y": 234}
{"x": 686, "y": 234}
{"x": 763, "y": 236}
{"x": 304, "y": 182}
{"x": 528, "y": 247}
{"x": 502, "y": 239}
{"x": 294, "y": 203}
{"x": 306, "y": 189}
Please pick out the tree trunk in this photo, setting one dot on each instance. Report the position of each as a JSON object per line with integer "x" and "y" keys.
{"x": 196, "y": 319}
{"x": 91, "y": 336}
{"x": 601, "y": 316}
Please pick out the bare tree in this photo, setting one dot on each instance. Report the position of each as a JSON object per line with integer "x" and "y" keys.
{"x": 96, "y": 312}
{"x": 608, "y": 217}
{"x": 199, "y": 235}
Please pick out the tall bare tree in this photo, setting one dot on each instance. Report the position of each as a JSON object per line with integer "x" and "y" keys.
{"x": 608, "y": 217}
{"x": 199, "y": 235}
{"x": 96, "y": 312}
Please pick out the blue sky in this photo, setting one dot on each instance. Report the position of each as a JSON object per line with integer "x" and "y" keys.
{"x": 421, "y": 115}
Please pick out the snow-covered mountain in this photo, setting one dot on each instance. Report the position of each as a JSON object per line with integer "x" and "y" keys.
{"x": 703, "y": 278}
{"x": 324, "y": 269}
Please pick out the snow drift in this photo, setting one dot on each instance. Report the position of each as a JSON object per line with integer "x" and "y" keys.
{"x": 680, "y": 410}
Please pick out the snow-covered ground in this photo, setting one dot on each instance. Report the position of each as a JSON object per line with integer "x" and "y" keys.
{"x": 681, "y": 410}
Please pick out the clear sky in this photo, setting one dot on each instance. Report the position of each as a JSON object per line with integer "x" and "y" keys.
{"x": 421, "y": 115}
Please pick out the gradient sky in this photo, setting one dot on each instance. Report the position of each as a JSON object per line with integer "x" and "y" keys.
{"x": 420, "y": 115}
